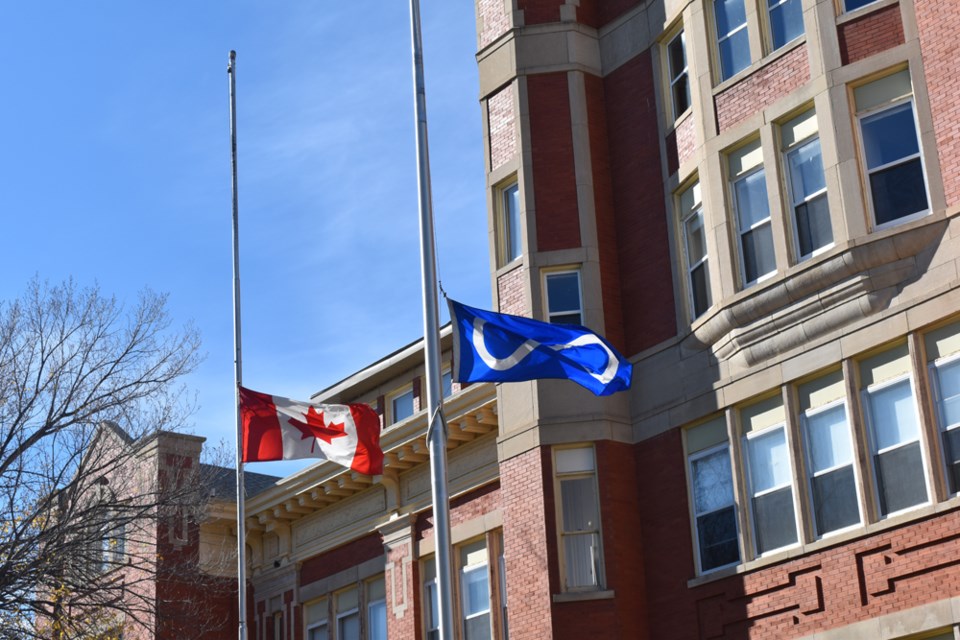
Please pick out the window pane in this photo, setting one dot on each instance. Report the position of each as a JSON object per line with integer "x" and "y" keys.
{"x": 786, "y": 21}
{"x": 511, "y": 223}
{"x": 447, "y": 383}
{"x": 889, "y": 135}
{"x": 677, "y": 57}
{"x": 814, "y": 230}
{"x": 478, "y": 628}
{"x": 774, "y": 519}
{"x": 735, "y": 53}
{"x": 806, "y": 170}
{"x": 348, "y": 627}
{"x": 563, "y": 292}
{"x": 476, "y": 590}
{"x": 835, "y": 500}
{"x": 718, "y": 538}
{"x": 403, "y": 406}
{"x": 700, "y": 284}
{"x": 576, "y": 460}
{"x": 433, "y": 612}
{"x": 579, "y": 552}
{"x": 769, "y": 461}
{"x": 712, "y": 482}
{"x": 752, "y": 204}
{"x": 678, "y": 74}
{"x": 850, "y": 5}
{"x": 579, "y": 504}
{"x": 730, "y": 15}
{"x": 893, "y": 415}
{"x": 681, "y": 94}
{"x": 696, "y": 239}
{"x": 758, "y": 257}
{"x": 318, "y": 633}
{"x": 951, "y": 449}
{"x": 829, "y": 439}
{"x": 948, "y": 379}
{"x": 377, "y": 620}
{"x": 566, "y": 318}
{"x": 900, "y": 478}
{"x": 898, "y": 191}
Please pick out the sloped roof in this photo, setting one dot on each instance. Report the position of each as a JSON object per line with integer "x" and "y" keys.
{"x": 223, "y": 481}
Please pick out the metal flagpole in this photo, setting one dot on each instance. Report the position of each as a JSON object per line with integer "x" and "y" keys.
{"x": 238, "y": 361}
{"x": 437, "y": 427}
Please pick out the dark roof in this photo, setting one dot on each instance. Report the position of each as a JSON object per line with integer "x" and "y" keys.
{"x": 223, "y": 481}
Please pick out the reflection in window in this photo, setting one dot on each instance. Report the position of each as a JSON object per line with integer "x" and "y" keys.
{"x": 771, "y": 487}
{"x": 786, "y": 21}
{"x": 757, "y": 260}
{"x": 677, "y": 67}
{"x": 714, "y": 511}
{"x": 695, "y": 246}
{"x": 833, "y": 486}
{"x": 402, "y": 406}
{"x": 511, "y": 248}
{"x": 947, "y": 392}
{"x": 732, "y": 39}
{"x": 563, "y": 298}
{"x": 807, "y": 185}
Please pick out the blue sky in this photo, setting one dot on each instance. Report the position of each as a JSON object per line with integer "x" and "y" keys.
{"x": 115, "y": 169}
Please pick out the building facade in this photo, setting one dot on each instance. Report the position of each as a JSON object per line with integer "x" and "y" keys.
{"x": 757, "y": 203}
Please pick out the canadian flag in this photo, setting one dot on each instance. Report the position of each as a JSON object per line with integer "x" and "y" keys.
{"x": 276, "y": 428}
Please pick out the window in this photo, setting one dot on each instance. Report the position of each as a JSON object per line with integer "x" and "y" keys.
{"x": 752, "y": 210}
{"x": 850, "y": 5}
{"x": 677, "y": 70}
{"x": 806, "y": 185}
{"x": 829, "y": 453}
{"x": 316, "y": 619}
{"x": 695, "y": 250}
{"x": 446, "y": 382}
{"x": 732, "y": 39}
{"x": 376, "y": 610}
{"x": 891, "y": 149}
{"x": 711, "y": 482}
{"x": 579, "y": 518}
{"x": 502, "y": 580}
{"x": 509, "y": 224}
{"x": 891, "y": 413}
{"x": 401, "y": 405}
{"x": 770, "y": 475}
{"x": 348, "y": 614}
{"x": 475, "y": 591}
{"x": 943, "y": 352}
{"x": 786, "y": 21}
{"x": 563, "y": 297}
{"x": 431, "y": 618}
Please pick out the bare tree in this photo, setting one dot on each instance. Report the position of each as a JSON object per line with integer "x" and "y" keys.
{"x": 87, "y": 507}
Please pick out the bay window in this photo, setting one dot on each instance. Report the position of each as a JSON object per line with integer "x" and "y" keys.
{"x": 752, "y": 212}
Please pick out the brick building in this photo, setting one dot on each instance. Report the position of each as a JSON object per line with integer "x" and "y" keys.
{"x": 755, "y": 202}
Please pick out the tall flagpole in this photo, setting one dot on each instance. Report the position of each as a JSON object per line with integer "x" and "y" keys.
{"x": 238, "y": 361}
{"x": 437, "y": 427}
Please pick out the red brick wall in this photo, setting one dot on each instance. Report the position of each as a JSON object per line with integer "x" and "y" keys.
{"x": 529, "y": 540}
{"x": 402, "y": 581}
{"x": 603, "y": 205}
{"x": 492, "y": 20}
{"x": 349, "y": 555}
{"x": 938, "y": 22}
{"x": 510, "y": 293}
{"x": 501, "y": 124}
{"x": 551, "y": 139}
{"x": 686, "y": 139}
{"x": 540, "y": 11}
{"x": 643, "y": 244}
{"x": 870, "y": 34}
{"x": 463, "y": 509}
{"x": 762, "y": 88}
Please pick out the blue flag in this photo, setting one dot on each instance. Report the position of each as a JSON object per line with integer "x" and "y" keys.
{"x": 496, "y": 347}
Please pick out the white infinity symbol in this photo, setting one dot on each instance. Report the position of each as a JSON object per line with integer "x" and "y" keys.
{"x": 521, "y": 352}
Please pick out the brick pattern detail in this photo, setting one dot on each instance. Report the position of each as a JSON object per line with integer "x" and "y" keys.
{"x": 686, "y": 137}
{"x": 492, "y": 20}
{"x": 895, "y": 570}
{"x": 870, "y": 34}
{"x": 938, "y": 22}
{"x": 463, "y": 509}
{"x": 762, "y": 88}
{"x": 510, "y": 293}
{"x": 529, "y": 541}
{"x": 646, "y": 285}
{"x": 402, "y": 579}
{"x": 551, "y": 138}
{"x": 603, "y": 206}
{"x": 501, "y": 122}
{"x": 336, "y": 560}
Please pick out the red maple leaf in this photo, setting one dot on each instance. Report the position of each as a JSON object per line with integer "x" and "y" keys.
{"x": 315, "y": 427}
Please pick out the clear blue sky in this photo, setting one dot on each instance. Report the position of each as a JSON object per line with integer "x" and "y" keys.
{"x": 115, "y": 168}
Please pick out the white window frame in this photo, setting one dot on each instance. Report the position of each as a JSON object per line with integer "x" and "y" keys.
{"x": 431, "y": 602}
{"x": 685, "y": 217}
{"x": 325, "y": 623}
{"x": 720, "y": 38}
{"x": 768, "y": 25}
{"x": 599, "y": 575}
{"x": 546, "y": 293}
{"x": 675, "y": 76}
{"x": 874, "y": 451}
{"x": 504, "y": 211}
{"x": 786, "y": 153}
{"x": 751, "y": 494}
{"x": 693, "y": 457}
{"x": 768, "y": 221}
{"x": 808, "y": 453}
{"x": 464, "y": 617}
{"x": 942, "y": 427}
{"x": 867, "y": 171}
{"x": 391, "y": 403}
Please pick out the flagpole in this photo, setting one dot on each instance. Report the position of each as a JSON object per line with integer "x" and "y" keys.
{"x": 437, "y": 428}
{"x": 238, "y": 362}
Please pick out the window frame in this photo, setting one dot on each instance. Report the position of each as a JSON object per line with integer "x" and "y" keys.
{"x": 367, "y": 606}
{"x": 506, "y": 216}
{"x": 718, "y": 51}
{"x": 546, "y": 275}
{"x": 685, "y": 217}
{"x": 598, "y": 563}
{"x": 675, "y": 77}
{"x": 752, "y": 494}
{"x": 786, "y": 151}
{"x": 860, "y": 116}
{"x": 875, "y": 452}
{"x": 768, "y": 221}
{"x": 768, "y": 25}
{"x": 804, "y": 418}
{"x": 942, "y": 427}
{"x": 462, "y": 570}
{"x": 355, "y": 611}
{"x": 691, "y": 458}
{"x": 391, "y": 403}
{"x": 325, "y": 623}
